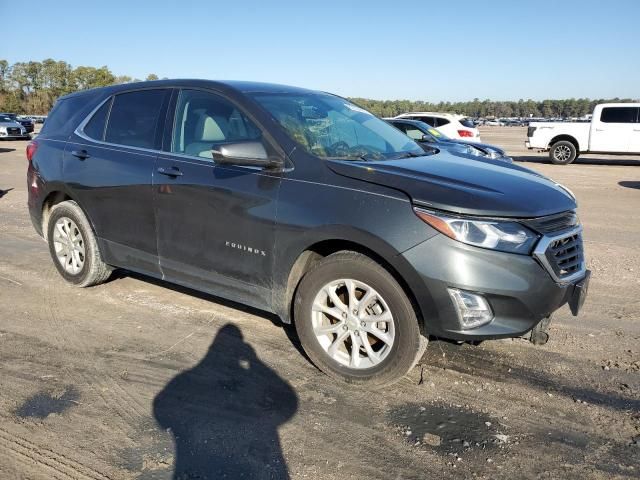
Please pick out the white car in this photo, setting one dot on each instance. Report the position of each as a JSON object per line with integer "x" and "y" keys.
{"x": 453, "y": 126}
{"x": 614, "y": 129}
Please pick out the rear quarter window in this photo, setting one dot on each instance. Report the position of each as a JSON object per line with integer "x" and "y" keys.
{"x": 64, "y": 114}
{"x": 441, "y": 121}
{"x": 465, "y": 122}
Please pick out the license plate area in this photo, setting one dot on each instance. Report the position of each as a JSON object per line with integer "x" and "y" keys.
{"x": 579, "y": 295}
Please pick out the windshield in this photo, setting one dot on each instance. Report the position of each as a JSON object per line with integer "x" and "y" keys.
{"x": 4, "y": 118}
{"x": 330, "y": 127}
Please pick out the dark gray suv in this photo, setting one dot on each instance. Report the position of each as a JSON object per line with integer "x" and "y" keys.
{"x": 303, "y": 204}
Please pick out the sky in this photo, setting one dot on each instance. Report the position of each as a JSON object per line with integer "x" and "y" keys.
{"x": 418, "y": 50}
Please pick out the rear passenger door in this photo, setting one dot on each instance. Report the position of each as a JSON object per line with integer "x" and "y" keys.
{"x": 215, "y": 222}
{"x": 634, "y": 145}
{"x": 108, "y": 165}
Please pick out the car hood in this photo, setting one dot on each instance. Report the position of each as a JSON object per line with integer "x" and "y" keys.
{"x": 10, "y": 124}
{"x": 461, "y": 185}
{"x": 482, "y": 146}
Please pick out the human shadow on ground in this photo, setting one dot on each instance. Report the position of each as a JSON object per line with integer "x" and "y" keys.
{"x": 4, "y": 192}
{"x": 225, "y": 412}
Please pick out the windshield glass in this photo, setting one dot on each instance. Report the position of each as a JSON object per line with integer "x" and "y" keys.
{"x": 4, "y": 118}
{"x": 330, "y": 127}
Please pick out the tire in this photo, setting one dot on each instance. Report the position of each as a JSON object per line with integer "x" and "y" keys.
{"x": 382, "y": 362}
{"x": 540, "y": 333}
{"x": 68, "y": 228}
{"x": 563, "y": 152}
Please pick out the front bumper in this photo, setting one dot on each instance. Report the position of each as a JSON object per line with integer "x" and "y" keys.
{"x": 21, "y": 136}
{"x": 520, "y": 291}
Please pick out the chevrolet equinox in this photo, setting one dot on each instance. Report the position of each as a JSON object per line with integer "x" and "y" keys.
{"x": 303, "y": 204}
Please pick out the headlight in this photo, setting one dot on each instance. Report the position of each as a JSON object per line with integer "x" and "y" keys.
{"x": 505, "y": 236}
{"x": 3, "y": 129}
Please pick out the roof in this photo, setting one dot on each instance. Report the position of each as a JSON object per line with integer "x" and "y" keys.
{"x": 237, "y": 85}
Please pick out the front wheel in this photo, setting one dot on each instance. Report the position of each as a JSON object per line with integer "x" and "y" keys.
{"x": 355, "y": 322}
{"x": 563, "y": 152}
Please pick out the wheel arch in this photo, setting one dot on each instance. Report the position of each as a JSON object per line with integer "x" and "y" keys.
{"x": 567, "y": 138}
{"x": 315, "y": 252}
{"x": 53, "y": 198}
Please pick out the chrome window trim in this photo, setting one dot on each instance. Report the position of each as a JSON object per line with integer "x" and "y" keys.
{"x": 540, "y": 254}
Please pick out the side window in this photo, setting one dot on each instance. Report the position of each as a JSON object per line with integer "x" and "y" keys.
{"x": 134, "y": 117}
{"x": 618, "y": 115}
{"x": 400, "y": 126}
{"x": 414, "y": 133}
{"x": 428, "y": 120}
{"x": 441, "y": 121}
{"x": 204, "y": 119}
{"x": 96, "y": 126}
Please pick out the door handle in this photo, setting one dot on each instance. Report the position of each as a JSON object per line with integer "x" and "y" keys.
{"x": 81, "y": 154}
{"x": 172, "y": 172}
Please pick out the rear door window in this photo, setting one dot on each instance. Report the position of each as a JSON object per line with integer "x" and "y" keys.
{"x": 134, "y": 118}
{"x": 618, "y": 115}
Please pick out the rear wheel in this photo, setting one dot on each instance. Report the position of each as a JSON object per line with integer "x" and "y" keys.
{"x": 73, "y": 246}
{"x": 563, "y": 152}
{"x": 355, "y": 322}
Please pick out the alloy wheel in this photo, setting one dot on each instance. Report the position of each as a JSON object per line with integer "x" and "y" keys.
{"x": 353, "y": 323}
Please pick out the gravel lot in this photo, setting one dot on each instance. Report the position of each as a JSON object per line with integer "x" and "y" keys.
{"x": 136, "y": 377}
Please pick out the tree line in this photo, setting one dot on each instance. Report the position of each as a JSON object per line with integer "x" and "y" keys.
{"x": 568, "y": 108}
{"x": 32, "y": 88}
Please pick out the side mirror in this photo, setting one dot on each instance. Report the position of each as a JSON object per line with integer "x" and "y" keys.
{"x": 249, "y": 153}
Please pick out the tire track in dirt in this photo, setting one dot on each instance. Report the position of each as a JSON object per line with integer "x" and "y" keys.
{"x": 58, "y": 465}
{"x": 129, "y": 413}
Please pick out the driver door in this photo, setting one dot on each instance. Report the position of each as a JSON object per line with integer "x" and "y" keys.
{"x": 215, "y": 223}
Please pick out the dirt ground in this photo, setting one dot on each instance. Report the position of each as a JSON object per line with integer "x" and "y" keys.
{"x": 137, "y": 378}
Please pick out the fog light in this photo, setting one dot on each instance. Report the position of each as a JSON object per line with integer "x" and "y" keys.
{"x": 473, "y": 310}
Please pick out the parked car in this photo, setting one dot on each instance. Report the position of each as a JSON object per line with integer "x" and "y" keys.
{"x": 454, "y": 126}
{"x": 26, "y": 123}
{"x": 614, "y": 129}
{"x": 494, "y": 123}
{"x": 10, "y": 129}
{"x": 428, "y": 137}
{"x": 303, "y": 204}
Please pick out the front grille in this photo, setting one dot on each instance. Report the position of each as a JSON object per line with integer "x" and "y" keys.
{"x": 553, "y": 223}
{"x": 562, "y": 255}
{"x": 565, "y": 255}
{"x": 13, "y": 131}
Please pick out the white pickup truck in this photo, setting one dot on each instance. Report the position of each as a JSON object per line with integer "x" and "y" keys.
{"x": 614, "y": 129}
